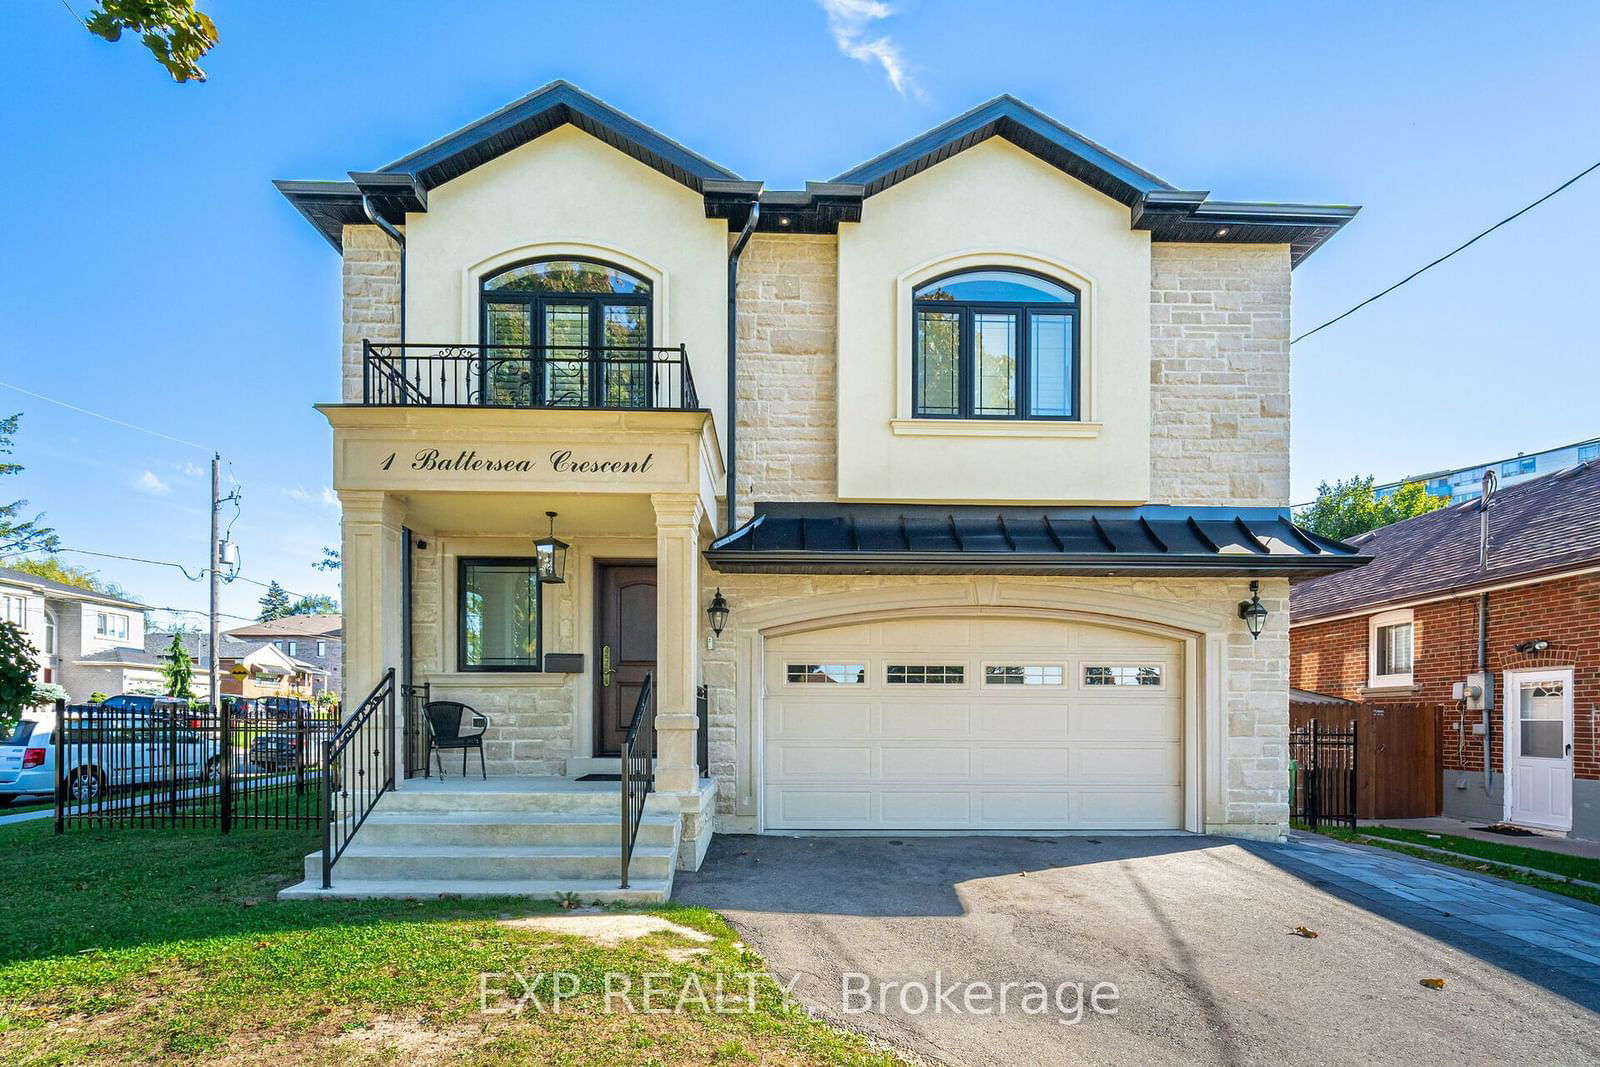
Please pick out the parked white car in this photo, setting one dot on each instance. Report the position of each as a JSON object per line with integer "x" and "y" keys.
{"x": 104, "y": 751}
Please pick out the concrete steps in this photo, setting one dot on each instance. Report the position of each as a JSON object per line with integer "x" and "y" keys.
{"x": 507, "y": 837}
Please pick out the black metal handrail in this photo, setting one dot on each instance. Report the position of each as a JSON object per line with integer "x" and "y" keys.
{"x": 357, "y": 769}
{"x": 612, "y": 377}
{"x": 418, "y": 742}
{"x": 638, "y": 771}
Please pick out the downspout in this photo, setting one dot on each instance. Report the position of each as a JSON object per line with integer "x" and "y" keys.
{"x": 1489, "y": 484}
{"x": 398, "y": 238}
{"x": 733, "y": 357}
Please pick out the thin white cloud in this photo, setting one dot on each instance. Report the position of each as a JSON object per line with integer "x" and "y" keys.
{"x": 850, "y": 22}
{"x": 149, "y": 483}
{"x": 190, "y": 470}
{"x": 327, "y": 497}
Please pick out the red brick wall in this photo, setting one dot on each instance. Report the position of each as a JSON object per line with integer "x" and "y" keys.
{"x": 1331, "y": 658}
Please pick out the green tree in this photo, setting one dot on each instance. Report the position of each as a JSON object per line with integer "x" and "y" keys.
{"x": 316, "y": 604}
{"x": 54, "y": 570}
{"x": 275, "y": 603}
{"x": 174, "y": 32}
{"x": 17, "y": 662}
{"x": 18, "y": 533}
{"x": 331, "y": 560}
{"x": 178, "y": 669}
{"x": 1348, "y": 509}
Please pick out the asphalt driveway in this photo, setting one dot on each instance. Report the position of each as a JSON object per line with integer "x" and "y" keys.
{"x": 1195, "y": 934}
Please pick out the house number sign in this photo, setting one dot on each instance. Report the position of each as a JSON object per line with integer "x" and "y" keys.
{"x": 561, "y": 461}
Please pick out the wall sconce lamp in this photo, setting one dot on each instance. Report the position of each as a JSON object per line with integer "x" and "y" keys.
{"x": 717, "y": 614}
{"x": 1253, "y": 611}
{"x": 551, "y": 553}
{"x": 1534, "y": 647}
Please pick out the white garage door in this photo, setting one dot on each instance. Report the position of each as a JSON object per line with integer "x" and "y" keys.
{"x": 973, "y": 724}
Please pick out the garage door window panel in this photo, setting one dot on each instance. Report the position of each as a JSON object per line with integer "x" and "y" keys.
{"x": 1031, "y": 675}
{"x": 1110, "y": 675}
{"x": 826, "y": 674}
{"x": 923, "y": 674}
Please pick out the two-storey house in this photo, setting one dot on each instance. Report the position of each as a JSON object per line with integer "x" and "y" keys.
{"x": 75, "y": 632}
{"x": 959, "y": 481}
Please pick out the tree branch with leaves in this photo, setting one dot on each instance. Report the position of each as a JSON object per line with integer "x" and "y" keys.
{"x": 1351, "y": 508}
{"x": 19, "y": 533}
{"x": 173, "y": 31}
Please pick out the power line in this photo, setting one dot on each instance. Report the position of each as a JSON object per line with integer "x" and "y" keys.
{"x": 169, "y": 563}
{"x": 106, "y": 418}
{"x": 1459, "y": 248}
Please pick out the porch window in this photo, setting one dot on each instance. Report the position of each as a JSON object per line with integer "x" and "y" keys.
{"x": 567, "y": 333}
{"x": 497, "y": 614}
{"x": 995, "y": 344}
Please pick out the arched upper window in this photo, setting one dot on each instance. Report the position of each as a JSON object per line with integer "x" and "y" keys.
{"x": 995, "y": 343}
{"x": 567, "y": 333}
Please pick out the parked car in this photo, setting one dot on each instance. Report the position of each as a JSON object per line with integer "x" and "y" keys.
{"x": 176, "y": 707}
{"x": 290, "y": 709}
{"x": 287, "y": 748}
{"x": 104, "y": 750}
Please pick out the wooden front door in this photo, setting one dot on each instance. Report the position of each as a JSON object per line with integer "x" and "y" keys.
{"x": 625, "y": 647}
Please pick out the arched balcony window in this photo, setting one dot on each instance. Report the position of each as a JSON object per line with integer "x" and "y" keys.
{"x": 567, "y": 333}
{"x": 995, "y": 344}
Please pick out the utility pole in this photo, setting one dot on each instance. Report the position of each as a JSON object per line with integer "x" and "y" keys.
{"x": 225, "y": 778}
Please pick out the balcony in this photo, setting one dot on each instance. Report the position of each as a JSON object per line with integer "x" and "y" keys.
{"x": 567, "y": 377}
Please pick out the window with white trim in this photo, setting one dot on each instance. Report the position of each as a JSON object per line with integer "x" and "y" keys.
{"x": 1390, "y": 651}
{"x": 112, "y": 625}
{"x": 16, "y": 610}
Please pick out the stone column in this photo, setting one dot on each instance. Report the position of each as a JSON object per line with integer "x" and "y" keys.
{"x": 371, "y": 596}
{"x": 678, "y": 518}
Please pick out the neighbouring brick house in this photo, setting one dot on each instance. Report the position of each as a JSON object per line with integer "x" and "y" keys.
{"x": 1404, "y": 631}
{"x": 315, "y": 642}
{"x": 982, "y": 445}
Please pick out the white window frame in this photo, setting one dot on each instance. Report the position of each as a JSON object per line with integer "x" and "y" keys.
{"x": 16, "y": 610}
{"x": 1375, "y": 623}
{"x": 103, "y": 625}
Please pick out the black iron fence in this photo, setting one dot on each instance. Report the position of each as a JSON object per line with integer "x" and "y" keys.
{"x": 417, "y": 741}
{"x": 358, "y": 763}
{"x": 638, "y": 770}
{"x": 247, "y": 766}
{"x": 528, "y": 376}
{"x": 1322, "y": 770}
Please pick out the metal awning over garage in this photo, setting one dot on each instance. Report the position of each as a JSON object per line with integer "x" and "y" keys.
{"x": 825, "y": 538}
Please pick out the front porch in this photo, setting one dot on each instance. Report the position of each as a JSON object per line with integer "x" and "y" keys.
{"x": 442, "y": 583}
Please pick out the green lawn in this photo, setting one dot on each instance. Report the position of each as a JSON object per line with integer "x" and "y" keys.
{"x": 1554, "y": 862}
{"x": 155, "y": 945}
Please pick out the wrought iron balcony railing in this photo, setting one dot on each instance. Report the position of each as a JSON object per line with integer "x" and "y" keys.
{"x": 528, "y": 376}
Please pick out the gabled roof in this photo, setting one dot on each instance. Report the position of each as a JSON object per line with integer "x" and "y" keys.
{"x": 1542, "y": 526}
{"x": 1167, "y": 212}
{"x": 538, "y": 113}
{"x": 825, "y": 538}
{"x": 293, "y": 626}
{"x": 1028, "y": 129}
{"x": 48, "y": 587}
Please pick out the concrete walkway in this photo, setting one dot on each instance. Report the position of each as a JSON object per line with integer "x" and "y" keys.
{"x": 1569, "y": 846}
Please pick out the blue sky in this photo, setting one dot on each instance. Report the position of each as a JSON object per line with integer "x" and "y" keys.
{"x": 148, "y": 269}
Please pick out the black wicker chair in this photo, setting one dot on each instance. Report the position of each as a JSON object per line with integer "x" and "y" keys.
{"x": 452, "y": 724}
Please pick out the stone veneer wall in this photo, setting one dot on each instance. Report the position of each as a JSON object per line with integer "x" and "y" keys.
{"x": 788, "y": 371}
{"x": 1219, "y": 374}
{"x": 371, "y": 298}
{"x": 532, "y": 726}
{"x": 1255, "y": 726}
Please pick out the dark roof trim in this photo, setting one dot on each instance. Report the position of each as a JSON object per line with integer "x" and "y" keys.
{"x": 541, "y": 111}
{"x": 1028, "y": 129}
{"x": 328, "y": 206}
{"x": 819, "y": 538}
{"x": 818, "y": 208}
{"x": 1180, "y": 216}
{"x": 1168, "y": 213}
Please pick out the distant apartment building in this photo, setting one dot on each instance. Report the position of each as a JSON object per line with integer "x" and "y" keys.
{"x": 1466, "y": 483}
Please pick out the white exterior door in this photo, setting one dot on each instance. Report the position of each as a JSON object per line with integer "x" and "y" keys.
{"x": 973, "y": 724}
{"x": 1539, "y": 748}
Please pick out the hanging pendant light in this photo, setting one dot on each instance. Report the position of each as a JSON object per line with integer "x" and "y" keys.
{"x": 551, "y": 552}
